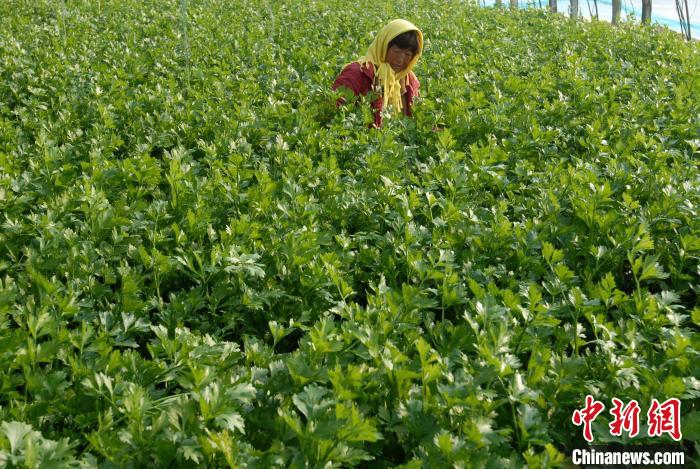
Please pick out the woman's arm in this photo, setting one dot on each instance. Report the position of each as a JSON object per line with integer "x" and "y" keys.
{"x": 353, "y": 78}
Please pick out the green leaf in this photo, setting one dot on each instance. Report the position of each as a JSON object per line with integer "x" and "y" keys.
{"x": 231, "y": 421}
{"x": 550, "y": 254}
{"x": 356, "y": 427}
{"x": 652, "y": 269}
{"x": 311, "y": 401}
{"x": 244, "y": 392}
{"x": 673, "y": 387}
{"x": 15, "y": 433}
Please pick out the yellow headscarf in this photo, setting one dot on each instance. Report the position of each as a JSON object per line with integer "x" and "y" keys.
{"x": 388, "y": 79}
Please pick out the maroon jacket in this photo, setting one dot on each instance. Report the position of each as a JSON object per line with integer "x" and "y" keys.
{"x": 359, "y": 79}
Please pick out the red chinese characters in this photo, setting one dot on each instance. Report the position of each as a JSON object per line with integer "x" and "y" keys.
{"x": 662, "y": 418}
{"x": 665, "y": 418}
{"x": 626, "y": 418}
{"x": 587, "y": 415}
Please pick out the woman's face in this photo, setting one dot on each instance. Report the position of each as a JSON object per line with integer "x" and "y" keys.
{"x": 398, "y": 58}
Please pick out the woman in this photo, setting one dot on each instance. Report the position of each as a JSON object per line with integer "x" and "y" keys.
{"x": 387, "y": 68}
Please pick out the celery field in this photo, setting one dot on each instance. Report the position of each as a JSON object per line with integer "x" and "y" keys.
{"x": 204, "y": 262}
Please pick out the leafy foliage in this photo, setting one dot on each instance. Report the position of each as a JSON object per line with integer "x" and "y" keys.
{"x": 203, "y": 261}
